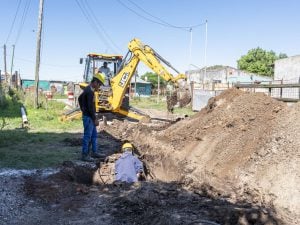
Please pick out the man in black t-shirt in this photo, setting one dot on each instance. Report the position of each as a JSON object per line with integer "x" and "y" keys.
{"x": 87, "y": 105}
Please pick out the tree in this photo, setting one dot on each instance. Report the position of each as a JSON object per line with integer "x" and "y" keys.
{"x": 152, "y": 77}
{"x": 259, "y": 61}
{"x": 282, "y": 55}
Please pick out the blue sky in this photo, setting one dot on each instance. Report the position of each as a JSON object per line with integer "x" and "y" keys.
{"x": 234, "y": 27}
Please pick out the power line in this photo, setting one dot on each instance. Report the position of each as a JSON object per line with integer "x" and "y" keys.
{"x": 92, "y": 23}
{"x": 101, "y": 27}
{"x": 23, "y": 19}
{"x": 166, "y": 23}
{"x": 138, "y": 14}
{"x": 45, "y": 64}
{"x": 60, "y": 66}
{"x": 13, "y": 23}
{"x": 162, "y": 22}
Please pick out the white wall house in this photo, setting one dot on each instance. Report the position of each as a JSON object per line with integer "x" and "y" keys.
{"x": 224, "y": 74}
{"x": 288, "y": 69}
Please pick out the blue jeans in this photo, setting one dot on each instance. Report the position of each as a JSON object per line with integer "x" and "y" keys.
{"x": 89, "y": 135}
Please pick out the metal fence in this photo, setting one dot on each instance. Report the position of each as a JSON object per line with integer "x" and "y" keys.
{"x": 282, "y": 90}
{"x": 288, "y": 92}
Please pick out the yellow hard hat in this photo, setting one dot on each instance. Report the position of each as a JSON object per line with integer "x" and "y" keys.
{"x": 127, "y": 145}
{"x": 100, "y": 77}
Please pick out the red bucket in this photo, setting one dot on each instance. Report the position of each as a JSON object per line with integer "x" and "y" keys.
{"x": 48, "y": 95}
{"x": 70, "y": 96}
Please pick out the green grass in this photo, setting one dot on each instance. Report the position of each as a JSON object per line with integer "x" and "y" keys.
{"x": 47, "y": 118}
{"x": 42, "y": 145}
{"x": 148, "y": 103}
{"x": 25, "y": 150}
{"x": 161, "y": 105}
{"x": 59, "y": 96}
{"x": 43, "y": 119}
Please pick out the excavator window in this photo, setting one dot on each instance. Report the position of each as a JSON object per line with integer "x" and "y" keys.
{"x": 94, "y": 63}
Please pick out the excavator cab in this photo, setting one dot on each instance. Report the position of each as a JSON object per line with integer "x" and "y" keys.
{"x": 94, "y": 61}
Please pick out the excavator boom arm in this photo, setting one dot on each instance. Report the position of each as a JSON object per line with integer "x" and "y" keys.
{"x": 149, "y": 57}
{"x": 120, "y": 82}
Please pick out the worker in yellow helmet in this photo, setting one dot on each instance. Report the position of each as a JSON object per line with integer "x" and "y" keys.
{"x": 128, "y": 167}
{"x": 87, "y": 105}
{"x": 106, "y": 71}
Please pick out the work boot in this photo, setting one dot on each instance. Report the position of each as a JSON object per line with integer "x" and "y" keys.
{"x": 97, "y": 155}
{"x": 86, "y": 158}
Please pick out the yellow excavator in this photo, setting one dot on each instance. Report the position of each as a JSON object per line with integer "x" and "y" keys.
{"x": 114, "y": 97}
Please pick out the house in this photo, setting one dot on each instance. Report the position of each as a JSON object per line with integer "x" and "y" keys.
{"x": 57, "y": 86}
{"x": 2, "y": 77}
{"x": 143, "y": 88}
{"x": 224, "y": 74}
{"x": 288, "y": 69}
{"x": 29, "y": 84}
{"x": 215, "y": 80}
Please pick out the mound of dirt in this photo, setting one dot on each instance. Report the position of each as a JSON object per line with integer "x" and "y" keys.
{"x": 243, "y": 144}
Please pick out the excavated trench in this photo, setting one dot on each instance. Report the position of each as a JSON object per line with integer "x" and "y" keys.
{"x": 214, "y": 168}
{"x": 156, "y": 201}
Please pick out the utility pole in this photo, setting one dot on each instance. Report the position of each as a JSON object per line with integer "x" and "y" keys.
{"x": 16, "y": 79}
{"x": 5, "y": 68}
{"x": 38, "y": 53}
{"x": 12, "y": 66}
{"x": 190, "y": 56}
{"x": 205, "y": 49}
{"x": 19, "y": 79}
{"x": 191, "y": 43}
{"x": 158, "y": 87}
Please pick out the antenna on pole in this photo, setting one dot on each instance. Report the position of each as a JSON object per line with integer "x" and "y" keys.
{"x": 38, "y": 53}
{"x": 190, "y": 56}
{"x": 205, "y": 49}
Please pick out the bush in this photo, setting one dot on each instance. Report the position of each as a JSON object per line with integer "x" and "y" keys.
{"x": 29, "y": 100}
{"x": 3, "y": 101}
{"x": 15, "y": 94}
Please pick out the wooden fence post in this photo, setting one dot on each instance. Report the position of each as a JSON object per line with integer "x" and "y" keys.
{"x": 299, "y": 88}
{"x": 281, "y": 82}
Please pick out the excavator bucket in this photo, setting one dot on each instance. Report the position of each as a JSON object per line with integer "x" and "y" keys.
{"x": 171, "y": 101}
{"x": 181, "y": 96}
